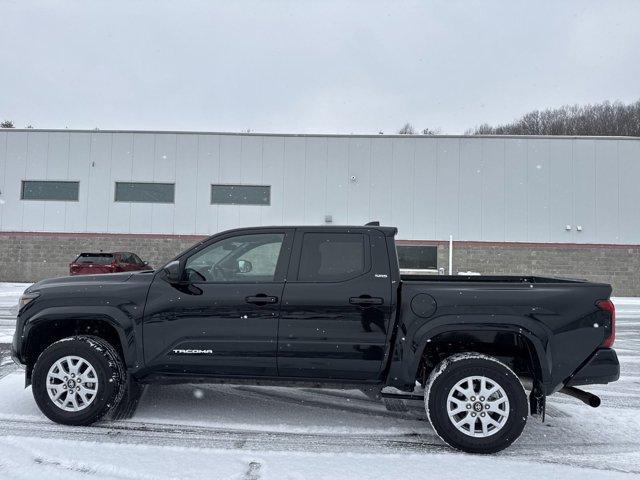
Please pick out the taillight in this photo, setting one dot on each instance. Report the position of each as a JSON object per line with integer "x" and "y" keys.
{"x": 608, "y": 306}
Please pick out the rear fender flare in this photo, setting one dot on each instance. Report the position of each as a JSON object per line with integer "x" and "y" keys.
{"x": 428, "y": 332}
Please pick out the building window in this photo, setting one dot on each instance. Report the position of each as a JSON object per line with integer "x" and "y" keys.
{"x": 418, "y": 257}
{"x": 50, "y": 190}
{"x": 145, "y": 192}
{"x": 240, "y": 195}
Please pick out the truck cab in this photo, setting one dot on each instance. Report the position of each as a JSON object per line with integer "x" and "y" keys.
{"x": 312, "y": 303}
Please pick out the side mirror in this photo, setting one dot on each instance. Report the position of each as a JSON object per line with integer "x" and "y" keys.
{"x": 244, "y": 266}
{"x": 145, "y": 263}
{"x": 172, "y": 271}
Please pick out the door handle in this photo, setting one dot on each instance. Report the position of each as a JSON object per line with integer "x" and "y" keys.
{"x": 261, "y": 299}
{"x": 366, "y": 300}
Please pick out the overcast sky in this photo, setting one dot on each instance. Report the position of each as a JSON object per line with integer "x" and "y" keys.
{"x": 310, "y": 66}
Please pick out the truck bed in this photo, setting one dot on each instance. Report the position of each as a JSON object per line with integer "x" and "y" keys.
{"x": 488, "y": 279}
{"x": 560, "y": 314}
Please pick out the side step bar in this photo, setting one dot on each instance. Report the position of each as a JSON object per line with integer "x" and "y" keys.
{"x": 395, "y": 402}
{"x": 403, "y": 396}
{"x": 586, "y": 397}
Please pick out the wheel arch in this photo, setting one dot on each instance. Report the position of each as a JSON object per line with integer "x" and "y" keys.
{"x": 51, "y": 325}
{"x": 521, "y": 350}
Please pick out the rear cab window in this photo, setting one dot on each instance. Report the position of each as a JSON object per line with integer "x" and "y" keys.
{"x": 94, "y": 258}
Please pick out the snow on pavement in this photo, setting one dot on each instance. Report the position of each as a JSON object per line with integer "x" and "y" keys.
{"x": 9, "y": 295}
{"x": 247, "y": 432}
{"x": 26, "y": 458}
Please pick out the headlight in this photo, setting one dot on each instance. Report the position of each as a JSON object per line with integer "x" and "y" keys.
{"x": 26, "y": 299}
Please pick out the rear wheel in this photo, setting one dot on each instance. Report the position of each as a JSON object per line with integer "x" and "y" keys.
{"x": 78, "y": 380}
{"x": 476, "y": 403}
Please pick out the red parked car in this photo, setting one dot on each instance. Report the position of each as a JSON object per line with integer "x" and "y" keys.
{"x": 93, "y": 263}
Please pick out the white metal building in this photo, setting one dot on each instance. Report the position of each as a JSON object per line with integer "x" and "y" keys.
{"x": 497, "y": 189}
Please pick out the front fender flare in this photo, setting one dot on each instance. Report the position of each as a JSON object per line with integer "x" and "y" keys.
{"x": 123, "y": 324}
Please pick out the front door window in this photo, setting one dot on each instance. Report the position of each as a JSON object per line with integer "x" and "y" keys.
{"x": 244, "y": 258}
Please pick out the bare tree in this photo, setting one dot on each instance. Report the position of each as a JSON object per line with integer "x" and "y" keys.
{"x": 431, "y": 131}
{"x": 7, "y": 124}
{"x": 607, "y": 119}
{"x": 407, "y": 130}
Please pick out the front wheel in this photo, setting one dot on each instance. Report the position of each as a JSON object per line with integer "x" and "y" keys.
{"x": 475, "y": 403}
{"x": 78, "y": 380}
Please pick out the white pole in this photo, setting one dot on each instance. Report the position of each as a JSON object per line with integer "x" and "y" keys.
{"x": 450, "y": 254}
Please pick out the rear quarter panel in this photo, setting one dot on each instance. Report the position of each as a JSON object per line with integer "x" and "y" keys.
{"x": 560, "y": 320}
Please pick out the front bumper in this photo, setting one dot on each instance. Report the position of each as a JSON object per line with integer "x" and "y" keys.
{"x": 14, "y": 357}
{"x": 601, "y": 367}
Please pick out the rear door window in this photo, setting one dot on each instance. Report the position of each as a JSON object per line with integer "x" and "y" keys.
{"x": 332, "y": 257}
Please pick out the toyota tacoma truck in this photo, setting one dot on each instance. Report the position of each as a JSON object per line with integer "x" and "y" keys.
{"x": 324, "y": 307}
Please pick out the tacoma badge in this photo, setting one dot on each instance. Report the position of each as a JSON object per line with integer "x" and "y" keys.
{"x": 192, "y": 351}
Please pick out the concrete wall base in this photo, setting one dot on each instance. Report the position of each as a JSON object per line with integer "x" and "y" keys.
{"x": 29, "y": 257}
{"x": 614, "y": 264}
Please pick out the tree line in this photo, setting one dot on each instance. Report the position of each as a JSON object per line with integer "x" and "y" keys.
{"x": 10, "y": 124}
{"x": 602, "y": 119}
{"x": 605, "y": 119}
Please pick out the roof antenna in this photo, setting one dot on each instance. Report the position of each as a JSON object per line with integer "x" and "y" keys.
{"x": 372, "y": 224}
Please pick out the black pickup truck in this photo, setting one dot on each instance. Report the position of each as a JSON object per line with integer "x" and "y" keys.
{"x": 319, "y": 306}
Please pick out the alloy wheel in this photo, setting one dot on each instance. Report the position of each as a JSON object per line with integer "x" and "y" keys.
{"x": 478, "y": 406}
{"x": 72, "y": 383}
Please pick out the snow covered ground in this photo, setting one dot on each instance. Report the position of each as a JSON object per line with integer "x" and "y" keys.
{"x": 9, "y": 294}
{"x": 243, "y": 432}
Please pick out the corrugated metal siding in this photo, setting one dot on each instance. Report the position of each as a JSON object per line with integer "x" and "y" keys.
{"x": 521, "y": 189}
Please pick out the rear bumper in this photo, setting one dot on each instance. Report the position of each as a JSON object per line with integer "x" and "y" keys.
{"x": 602, "y": 367}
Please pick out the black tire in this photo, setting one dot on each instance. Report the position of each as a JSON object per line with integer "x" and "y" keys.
{"x": 457, "y": 368}
{"x": 111, "y": 379}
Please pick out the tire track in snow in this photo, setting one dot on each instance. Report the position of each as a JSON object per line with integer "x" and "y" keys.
{"x": 572, "y": 453}
{"x": 206, "y": 437}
